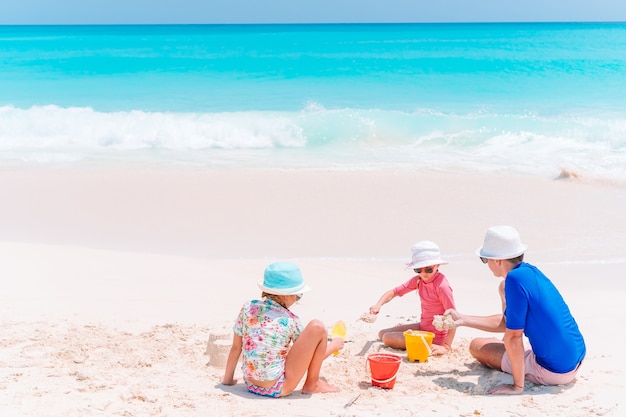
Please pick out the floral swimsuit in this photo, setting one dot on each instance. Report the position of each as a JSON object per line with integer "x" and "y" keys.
{"x": 268, "y": 330}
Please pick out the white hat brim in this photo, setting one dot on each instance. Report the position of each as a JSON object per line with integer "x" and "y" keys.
{"x": 427, "y": 262}
{"x": 285, "y": 291}
{"x": 517, "y": 253}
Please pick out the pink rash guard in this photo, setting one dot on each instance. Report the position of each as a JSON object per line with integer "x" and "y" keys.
{"x": 435, "y": 296}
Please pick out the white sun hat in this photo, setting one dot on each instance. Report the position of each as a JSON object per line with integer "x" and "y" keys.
{"x": 501, "y": 242}
{"x": 425, "y": 253}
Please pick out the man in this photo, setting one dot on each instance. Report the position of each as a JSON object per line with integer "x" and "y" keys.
{"x": 532, "y": 306}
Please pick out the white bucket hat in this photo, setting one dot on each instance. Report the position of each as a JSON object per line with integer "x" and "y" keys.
{"x": 425, "y": 253}
{"x": 283, "y": 278}
{"x": 501, "y": 242}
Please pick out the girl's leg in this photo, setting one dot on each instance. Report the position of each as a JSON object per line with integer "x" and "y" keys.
{"x": 394, "y": 336}
{"x": 306, "y": 356}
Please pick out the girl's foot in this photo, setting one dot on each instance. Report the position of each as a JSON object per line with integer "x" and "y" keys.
{"x": 320, "y": 387}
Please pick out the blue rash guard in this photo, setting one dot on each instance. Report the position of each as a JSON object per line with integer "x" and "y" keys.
{"x": 533, "y": 304}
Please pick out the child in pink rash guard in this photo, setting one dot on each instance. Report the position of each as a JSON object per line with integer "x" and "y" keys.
{"x": 435, "y": 295}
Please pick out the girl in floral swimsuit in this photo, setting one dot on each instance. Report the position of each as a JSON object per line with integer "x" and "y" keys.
{"x": 277, "y": 350}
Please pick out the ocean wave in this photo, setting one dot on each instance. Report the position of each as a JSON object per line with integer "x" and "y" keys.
{"x": 593, "y": 144}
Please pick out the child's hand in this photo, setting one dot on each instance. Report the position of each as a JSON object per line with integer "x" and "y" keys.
{"x": 336, "y": 344}
{"x": 374, "y": 309}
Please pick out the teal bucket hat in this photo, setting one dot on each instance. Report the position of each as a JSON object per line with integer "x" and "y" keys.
{"x": 283, "y": 278}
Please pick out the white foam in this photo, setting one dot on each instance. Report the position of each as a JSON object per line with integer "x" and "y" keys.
{"x": 315, "y": 137}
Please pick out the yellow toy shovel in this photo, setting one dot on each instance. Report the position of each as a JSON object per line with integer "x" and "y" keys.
{"x": 338, "y": 330}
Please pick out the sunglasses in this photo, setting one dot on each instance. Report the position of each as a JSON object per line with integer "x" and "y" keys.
{"x": 427, "y": 270}
{"x": 484, "y": 260}
{"x": 298, "y": 297}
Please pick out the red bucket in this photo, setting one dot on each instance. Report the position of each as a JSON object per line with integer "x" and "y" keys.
{"x": 384, "y": 368}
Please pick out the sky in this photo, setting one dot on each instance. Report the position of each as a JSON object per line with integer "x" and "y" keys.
{"x": 304, "y": 11}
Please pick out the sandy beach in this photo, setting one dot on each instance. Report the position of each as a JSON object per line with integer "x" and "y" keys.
{"x": 115, "y": 279}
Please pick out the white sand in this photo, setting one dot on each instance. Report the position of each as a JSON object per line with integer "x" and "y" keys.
{"x": 114, "y": 280}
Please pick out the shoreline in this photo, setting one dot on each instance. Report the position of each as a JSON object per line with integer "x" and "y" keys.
{"x": 208, "y": 213}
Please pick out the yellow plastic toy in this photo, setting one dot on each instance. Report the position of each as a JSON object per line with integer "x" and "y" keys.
{"x": 338, "y": 330}
{"x": 418, "y": 345}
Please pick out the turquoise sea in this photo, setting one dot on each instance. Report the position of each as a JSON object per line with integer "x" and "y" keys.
{"x": 530, "y": 98}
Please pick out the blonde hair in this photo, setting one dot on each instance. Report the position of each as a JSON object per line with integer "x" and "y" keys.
{"x": 274, "y": 297}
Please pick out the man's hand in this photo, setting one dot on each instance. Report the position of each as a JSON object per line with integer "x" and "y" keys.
{"x": 458, "y": 318}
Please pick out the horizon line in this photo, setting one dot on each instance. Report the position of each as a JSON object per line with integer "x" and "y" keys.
{"x": 321, "y": 23}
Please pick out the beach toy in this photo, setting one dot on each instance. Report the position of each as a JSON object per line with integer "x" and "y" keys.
{"x": 338, "y": 330}
{"x": 418, "y": 345}
{"x": 384, "y": 368}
